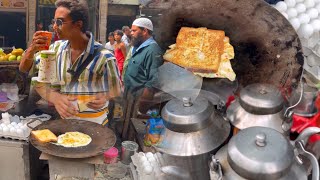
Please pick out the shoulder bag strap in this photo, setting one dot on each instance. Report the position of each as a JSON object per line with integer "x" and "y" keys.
{"x": 75, "y": 75}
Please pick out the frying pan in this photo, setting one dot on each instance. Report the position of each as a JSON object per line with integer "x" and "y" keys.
{"x": 102, "y": 138}
{"x": 267, "y": 48}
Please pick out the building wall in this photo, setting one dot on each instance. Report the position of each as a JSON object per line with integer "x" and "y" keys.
{"x": 103, "y": 11}
{"x": 120, "y": 15}
{"x": 31, "y": 19}
{"x": 97, "y": 10}
{"x": 124, "y": 2}
{"x": 13, "y": 23}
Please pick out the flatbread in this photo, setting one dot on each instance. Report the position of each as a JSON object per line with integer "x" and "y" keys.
{"x": 73, "y": 139}
{"x": 204, "y": 52}
{"x": 199, "y": 49}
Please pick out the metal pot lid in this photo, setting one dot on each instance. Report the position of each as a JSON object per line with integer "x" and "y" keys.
{"x": 260, "y": 152}
{"x": 242, "y": 119}
{"x": 206, "y": 140}
{"x": 261, "y": 99}
{"x": 186, "y": 116}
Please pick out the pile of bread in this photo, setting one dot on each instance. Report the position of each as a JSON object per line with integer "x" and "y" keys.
{"x": 203, "y": 51}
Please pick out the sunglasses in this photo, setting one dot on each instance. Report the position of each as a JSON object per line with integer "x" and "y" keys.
{"x": 59, "y": 22}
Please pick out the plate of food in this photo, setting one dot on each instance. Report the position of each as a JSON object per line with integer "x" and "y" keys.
{"x": 71, "y": 138}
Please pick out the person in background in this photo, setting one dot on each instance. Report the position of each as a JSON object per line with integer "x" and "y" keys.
{"x": 110, "y": 45}
{"x": 126, "y": 62}
{"x": 146, "y": 56}
{"x": 126, "y": 38}
{"x": 120, "y": 51}
{"x": 39, "y": 26}
{"x": 140, "y": 76}
{"x": 99, "y": 80}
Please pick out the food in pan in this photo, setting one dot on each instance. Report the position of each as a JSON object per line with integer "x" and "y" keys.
{"x": 44, "y": 136}
{"x": 203, "y": 51}
{"x": 74, "y": 139}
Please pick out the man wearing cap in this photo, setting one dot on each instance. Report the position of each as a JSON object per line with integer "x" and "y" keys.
{"x": 140, "y": 71}
{"x": 146, "y": 57}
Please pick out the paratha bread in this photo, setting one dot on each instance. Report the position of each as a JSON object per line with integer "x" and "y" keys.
{"x": 44, "y": 136}
{"x": 197, "y": 49}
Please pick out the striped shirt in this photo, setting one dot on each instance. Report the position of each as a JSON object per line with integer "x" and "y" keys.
{"x": 100, "y": 75}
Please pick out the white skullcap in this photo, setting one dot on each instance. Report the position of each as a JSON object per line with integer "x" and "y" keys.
{"x": 143, "y": 22}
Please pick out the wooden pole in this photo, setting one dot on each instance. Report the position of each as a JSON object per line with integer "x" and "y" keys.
{"x": 30, "y": 20}
{"x": 103, "y": 13}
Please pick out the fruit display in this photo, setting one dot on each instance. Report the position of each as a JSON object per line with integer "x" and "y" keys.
{"x": 14, "y": 55}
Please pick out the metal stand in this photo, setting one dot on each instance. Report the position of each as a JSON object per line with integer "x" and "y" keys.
{"x": 64, "y": 167}
{"x": 129, "y": 109}
{"x": 14, "y": 157}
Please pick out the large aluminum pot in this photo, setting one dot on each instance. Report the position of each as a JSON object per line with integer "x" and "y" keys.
{"x": 192, "y": 128}
{"x": 192, "y": 131}
{"x": 265, "y": 154}
{"x": 260, "y": 105}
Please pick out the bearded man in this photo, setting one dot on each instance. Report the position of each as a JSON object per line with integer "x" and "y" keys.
{"x": 145, "y": 58}
{"x": 140, "y": 69}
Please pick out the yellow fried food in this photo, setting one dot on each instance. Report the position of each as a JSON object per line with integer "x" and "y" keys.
{"x": 203, "y": 51}
{"x": 197, "y": 49}
{"x": 74, "y": 139}
{"x": 44, "y": 136}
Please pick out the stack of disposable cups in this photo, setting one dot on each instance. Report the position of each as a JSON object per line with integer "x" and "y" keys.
{"x": 304, "y": 16}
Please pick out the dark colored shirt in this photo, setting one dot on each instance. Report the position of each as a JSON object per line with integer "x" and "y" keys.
{"x": 143, "y": 66}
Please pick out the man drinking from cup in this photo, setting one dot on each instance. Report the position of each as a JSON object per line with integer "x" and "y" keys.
{"x": 86, "y": 71}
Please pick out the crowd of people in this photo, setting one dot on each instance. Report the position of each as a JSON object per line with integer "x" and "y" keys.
{"x": 128, "y": 63}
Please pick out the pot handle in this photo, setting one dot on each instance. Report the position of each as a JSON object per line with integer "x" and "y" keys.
{"x": 305, "y": 134}
{"x": 315, "y": 166}
{"x": 215, "y": 166}
{"x": 288, "y": 112}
